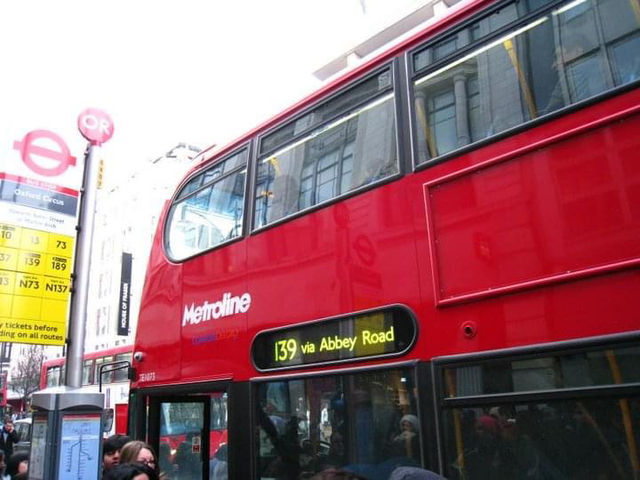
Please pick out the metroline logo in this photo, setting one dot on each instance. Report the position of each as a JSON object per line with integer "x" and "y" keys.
{"x": 229, "y": 305}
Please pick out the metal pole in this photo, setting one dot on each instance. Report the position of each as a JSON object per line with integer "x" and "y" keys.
{"x": 82, "y": 267}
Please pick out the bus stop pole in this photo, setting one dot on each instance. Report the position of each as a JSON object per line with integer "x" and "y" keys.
{"x": 82, "y": 266}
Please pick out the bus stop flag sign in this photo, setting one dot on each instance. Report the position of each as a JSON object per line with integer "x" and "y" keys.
{"x": 38, "y": 208}
{"x": 95, "y": 125}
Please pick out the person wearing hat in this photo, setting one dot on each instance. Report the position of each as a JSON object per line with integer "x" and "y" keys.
{"x": 407, "y": 443}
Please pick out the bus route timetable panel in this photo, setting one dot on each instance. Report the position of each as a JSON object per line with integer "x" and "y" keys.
{"x": 35, "y": 274}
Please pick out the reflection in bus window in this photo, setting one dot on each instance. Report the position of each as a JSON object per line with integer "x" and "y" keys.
{"x": 554, "y": 438}
{"x": 326, "y": 160}
{"x": 570, "y": 54}
{"x": 365, "y": 424}
{"x": 53, "y": 377}
{"x": 181, "y": 424}
{"x": 542, "y": 373}
{"x": 209, "y": 209}
{"x": 120, "y": 375}
{"x": 87, "y": 370}
{"x": 558, "y": 440}
{"x": 107, "y": 375}
{"x": 181, "y": 427}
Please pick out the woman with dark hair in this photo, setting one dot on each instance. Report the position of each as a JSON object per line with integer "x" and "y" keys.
{"x": 111, "y": 451}
{"x": 131, "y": 471}
{"x": 17, "y": 463}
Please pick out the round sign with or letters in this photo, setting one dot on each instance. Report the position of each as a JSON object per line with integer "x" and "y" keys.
{"x": 95, "y": 125}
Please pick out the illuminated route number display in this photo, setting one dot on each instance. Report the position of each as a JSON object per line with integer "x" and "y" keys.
{"x": 374, "y": 334}
{"x": 35, "y": 273}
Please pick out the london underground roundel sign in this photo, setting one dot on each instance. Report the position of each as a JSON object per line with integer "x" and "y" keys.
{"x": 95, "y": 125}
{"x": 41, "y": 159}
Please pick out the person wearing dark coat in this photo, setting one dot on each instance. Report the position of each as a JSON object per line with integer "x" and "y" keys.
{"x": 8, "y": 437}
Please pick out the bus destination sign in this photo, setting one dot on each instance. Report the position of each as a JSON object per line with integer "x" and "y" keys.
{"x": 387, "y": 332}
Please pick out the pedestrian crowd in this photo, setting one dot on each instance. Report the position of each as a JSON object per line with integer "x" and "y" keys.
{"x": 126, "y": 459}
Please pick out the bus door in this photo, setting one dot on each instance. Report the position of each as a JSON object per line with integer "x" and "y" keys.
{"x": 189, "y": 433}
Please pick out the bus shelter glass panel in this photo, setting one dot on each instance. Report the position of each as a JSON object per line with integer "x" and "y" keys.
{"x": 568, "y": 54}
{"x": 364, "y": 424}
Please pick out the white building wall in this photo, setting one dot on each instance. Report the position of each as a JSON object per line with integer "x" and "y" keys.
{"x": 128, "y": 215}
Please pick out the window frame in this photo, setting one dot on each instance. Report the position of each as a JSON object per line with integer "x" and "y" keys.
{"x": 155, "y": 417}
{"x": 108, "y": 375}
{"x": 444, "y": 403}
{"x": 178, "y": 198}
{"x": 88, "y": 363}
{"x": 413, "y": 74}
{"x": 395, "y": 89}
{"x": 54, "y": 372}
{"x": 391, "y": 66}
{"x": 122, "y": 374}
{"x": 422, "y": 396}
{"x": 143, "y": 414}
{"x": 572, "y": 347}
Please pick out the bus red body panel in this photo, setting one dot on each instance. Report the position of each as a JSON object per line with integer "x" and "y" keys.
{"x": 434, "y": 258}
{"x": 544, "y": 279}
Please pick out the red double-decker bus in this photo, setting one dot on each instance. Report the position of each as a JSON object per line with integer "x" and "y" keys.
{"x": 432, "y": 262}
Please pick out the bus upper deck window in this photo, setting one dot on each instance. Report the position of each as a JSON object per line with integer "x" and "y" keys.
{"x": 209, "y": 209}
{"x": 566, "y": 54}
{"x": 342, "y": 145}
